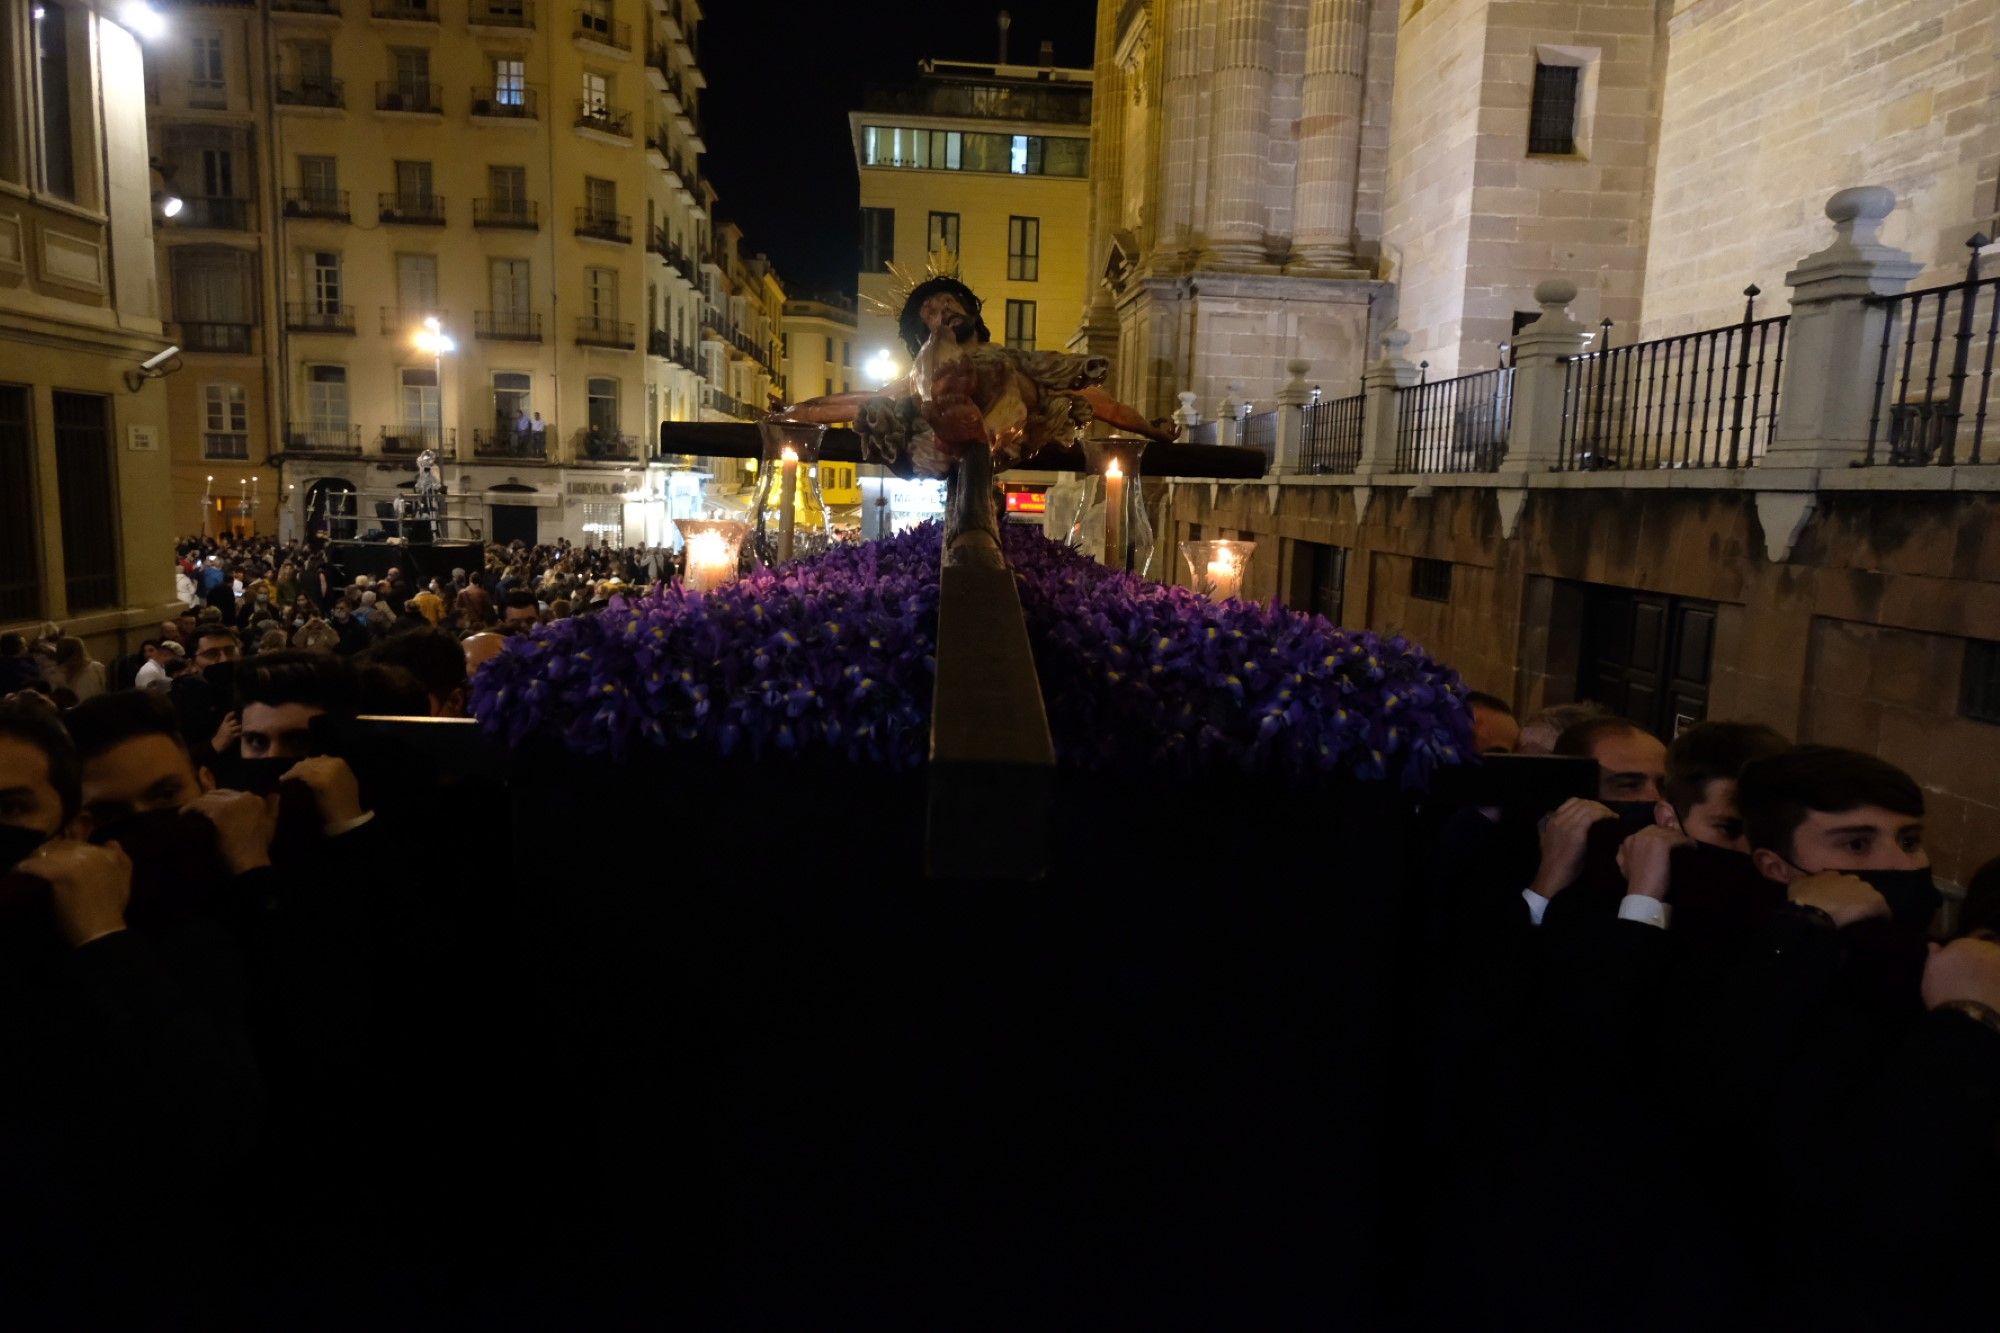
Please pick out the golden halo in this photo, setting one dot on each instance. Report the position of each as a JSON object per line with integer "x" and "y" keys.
{"x": 939, "y": 263}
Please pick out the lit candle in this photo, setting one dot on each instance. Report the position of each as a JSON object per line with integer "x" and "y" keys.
{"x": 710, "y": 562}
{"x": 788, "y": 491}
{"x": 1225, "y": 575}
{"x": 1114, "y": 515}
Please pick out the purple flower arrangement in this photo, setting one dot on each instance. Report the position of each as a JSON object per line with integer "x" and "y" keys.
{"x": 836, "y": 654}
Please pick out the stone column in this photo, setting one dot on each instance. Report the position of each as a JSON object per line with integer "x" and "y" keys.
{"x": 1099, "y": 333}
{"x": 1179, "y": 125}
{"x": 1330, "y": 135}
{"x": 1834, "y": 345}
{"x": 1233, "y": 228}
{"x": 1534, "y": 441}
{"x": 1388, "y": 373}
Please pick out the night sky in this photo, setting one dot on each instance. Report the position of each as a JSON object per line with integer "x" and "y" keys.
{"x": 782, "y": 76}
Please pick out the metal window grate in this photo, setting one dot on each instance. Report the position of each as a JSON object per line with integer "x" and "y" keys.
{"x": 1979, "y": 687}
{"x": 86, "y": 499}
{"x": 1552, "y": 109}
{"x": 1430, "y": 580}
{"x": 20, "y": 547}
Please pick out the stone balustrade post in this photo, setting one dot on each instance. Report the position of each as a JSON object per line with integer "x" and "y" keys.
{"x": 1534, "y": 442}
{"x": 1187, "y": 414}
{"x": 1292, "y": 399}
{"x": 1826, "y": 393}
{"x": 1385, "y": 375}
{"x": 1229, "y": 418}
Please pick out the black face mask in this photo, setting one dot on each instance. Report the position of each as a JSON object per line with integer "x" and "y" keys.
{"x": 1633, "y": 816}
{"x": 175, "y": 863}
{"x": 17, "y": 844}
{"x": 1912, "y": 895}
{"x": 252, "y": 775}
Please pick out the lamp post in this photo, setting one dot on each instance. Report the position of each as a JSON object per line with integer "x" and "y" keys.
{"x": 207, "y": 502}
{"x": 433, "y": 339}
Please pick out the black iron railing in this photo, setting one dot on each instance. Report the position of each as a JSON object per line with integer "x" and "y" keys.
{"x": 521, "y": 214}
{"x": 1455, "y": 425}
{"x": 422, "y": 98}
{"x": 323, "y": 440}
{"x": 597, "y": 25}
{"x": 412, "y": 437}
{"x": 1260, "y": 431}
{"x": 1706, "y": 399}
{"x": 522, "y": 326}
{"x": 401, "y": 320}
{"x": 410, "y": 206}
{"x": 604, "y": 119}
{"x": 514, "y": 102}
{"x": 225, "y": 445}
{"x": 1934, "y": 375}
{"x": 1332, "y": 434}
{"x": 312, "y": 92}
{"x": 408, "y": 11}
{"x": 214, "y": 212}
{"x": 202, "y": 335}
{"x": 606, "y": 446}
{"x": 301, "y": 202}
{"x": 318, "y": 317}
{"x": 595, "y": 331}
{"x": 505, "y": 441}
{"x": 502, "y": 14}
{"x": 602, "y": 226}
{"x": 326, "y": 8}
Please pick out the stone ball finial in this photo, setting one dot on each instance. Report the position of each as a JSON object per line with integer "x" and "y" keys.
{"x": 1557, "y": 292}
{"x": 1394, "y": 340}
{"x": 1298, "y": 369}
{"x": 1864, "y": 203}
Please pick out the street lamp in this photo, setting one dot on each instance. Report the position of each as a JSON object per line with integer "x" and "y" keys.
{"x": 142, "y": 20}
{"x": 881, "y": 367}
{"x": 432, "y": 338}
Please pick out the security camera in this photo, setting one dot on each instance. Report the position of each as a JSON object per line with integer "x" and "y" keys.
{"x": 159, "y": 359}
{"x": 157, "y": 366}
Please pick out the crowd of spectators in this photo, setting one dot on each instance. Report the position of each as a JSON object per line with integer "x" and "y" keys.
{"x": 1698, "y": 1042}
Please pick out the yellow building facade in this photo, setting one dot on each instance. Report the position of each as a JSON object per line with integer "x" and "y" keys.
{"x": 818, "y": 347}
{"x": 474, "y": 228}
{"x": 86, "y": 536}
{"x": 992, "y": 163}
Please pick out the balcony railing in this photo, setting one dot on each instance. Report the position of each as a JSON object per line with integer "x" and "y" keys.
{"x": 322, "y": 440}
{"x": 318, "y": 317}
{"x": 1332, "y": 434}
{"x": 598, "y": 26}
{"x": 301, "y": 202}
{"x": 1706, "y": 399}
{"x": 227, "y": 445}
{"x": 501, "y": 14}
{"x": 595, "y": 331}
{"x": 719, "y": 401}
{"x": 213, "y": 212}
{"x": 203, "y": 335}
{"x": 603, "y": 226}
{"x": 522, "y": 102}
{"x": 414, "y": 437}
{"x": 1934, "y": 374}
{"x": 312, "y": 92}
{"x": 418, "y": 98}
{"x": 519, "y": 214}
{"x": 604, "y": 119}
{"x": 323, "y": 8}
{"x": 521, "y": 326}
{"x": 1059, "y": 105}
{"x": 596, "y": 443}
{"x": 399, "y": 320}
{"x": 422, "y": 210}
{"x": 407, "y": 11}
{"x": 659, "y": 343}
{"x": 504, "y": 441}
{"x": 1455, "y": 425}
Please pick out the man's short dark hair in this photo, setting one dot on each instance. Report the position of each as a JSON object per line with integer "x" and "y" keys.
{"x": 98, "y": 724}
{"x": 1777, "y": 792}
{"x": 1707, "y": 751}
{"x": 1580, "y": 738}
{"x": 1491, "y": 702}
{"x": 433, "y": 656}
{"x": 520, "y": 597}
{"x": 295, "y": 676}
{"x": 911, "y": 324}
{"x": 386, "y": 690}
{"x": 217, "y": 632}
{"x": 12, "y": 645}
{"x": 33, "y": 724}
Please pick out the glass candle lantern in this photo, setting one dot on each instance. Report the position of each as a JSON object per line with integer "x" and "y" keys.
{"x": 714, "y": 546}
{"x": 1218, "y": 566}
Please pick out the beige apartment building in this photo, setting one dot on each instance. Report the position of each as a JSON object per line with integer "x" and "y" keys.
{"x": 475, "y": 227}
{"x": 990, "y": 162}
{"x": 85, "y": 534}
{"x": 818, "y": 347}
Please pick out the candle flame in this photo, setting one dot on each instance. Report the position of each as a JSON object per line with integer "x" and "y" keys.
{"x": 1114, "y": 470}
{"x": 790, "y": 455}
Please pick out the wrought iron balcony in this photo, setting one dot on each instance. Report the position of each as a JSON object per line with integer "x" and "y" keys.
{"x": 658, "y": 343}
{"x": 316, "y": 8}
{"x": 213, "y": 212}
{"x": 520, "y": 102}
{"x": 398, "y": 320}
{"x": 319, "y": 440}
{"x": 519, "y": 214}
{"x": 202, "y": 335}
{"x": 597, "y": 25}
{"x": 425, "y": 99}
{"x": 523, "y": 326}
{"x": 406, "y": 11}
{"x": 328, "y": 93}
{"x": 591, "y": 115}
{"x": 501, "y": 14}
{"x": 412, "y": 207}
{"x": 304, "y": 202}
{"x": 603, "y": 226}
{"x": 413, "y": 438}
{"x": 318, "y": 317}
{"x": 226, "y": 445}
{"x": 595, "y": 331}
{"x": 503, "y": 441}
{"x": 606, "y": 446}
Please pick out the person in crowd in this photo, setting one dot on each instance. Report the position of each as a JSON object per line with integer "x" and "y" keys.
{"x": 273, "y": 640}
{"x": 17, "y": 668}
{"x": 216, "y": 644}
{"x": 315, "y": 635}
{"x": 1700, "y": 787}
{"x": 159, "y": 655}
{"x": 429, "y": 603}
{"x": 434, "y": 658}
{"x": 1540, "y": 732}
{"x": 75, "y": 670}
{"x": 351, "y": 633}
{"x": 1495, "y": 730}
{"x": 1843, "y": 831}
{"x": 1631, "y": 761}
{"x": 520, "y": 612}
